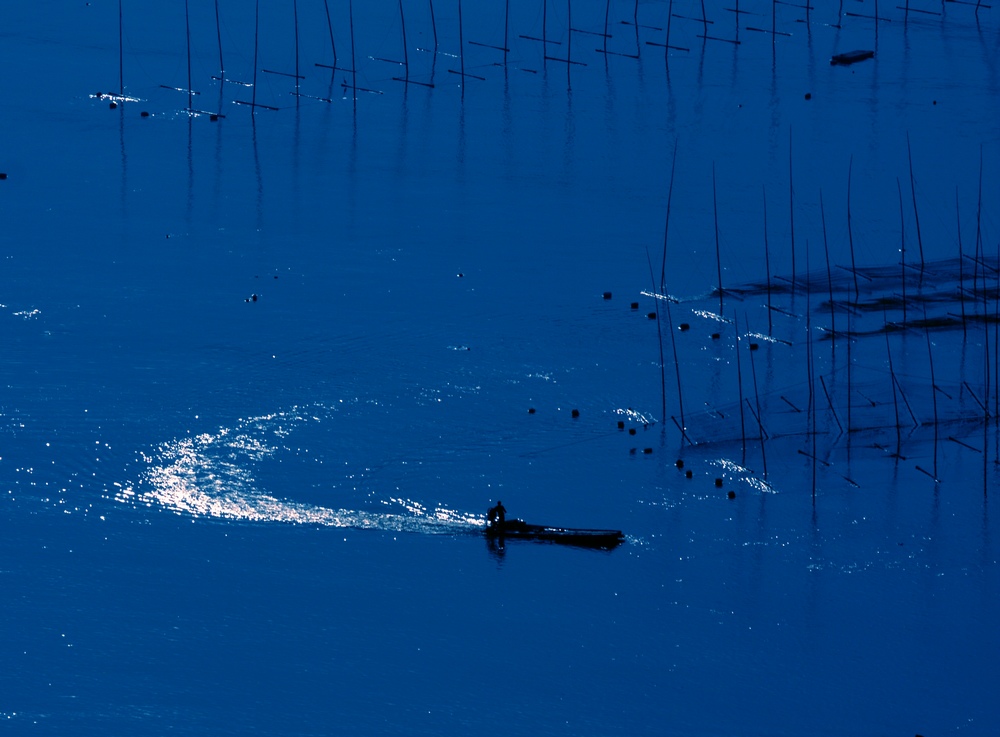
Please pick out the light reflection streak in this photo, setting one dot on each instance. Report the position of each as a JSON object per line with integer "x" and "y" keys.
{"x": 209, "y": 476}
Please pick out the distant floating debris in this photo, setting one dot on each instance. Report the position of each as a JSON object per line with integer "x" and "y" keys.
{"x": 851, "y": 57}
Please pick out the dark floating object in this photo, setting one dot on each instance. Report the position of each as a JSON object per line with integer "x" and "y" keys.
{"x": 688, "y": 474}
{"x": 715, "y": 336}
{"x": 112, "y": 105}
{"x": 516, "y": 529}
{"x": 460, "y": 275}
{"x": 631, "y": 431}
{"x": 809, "y": 95}
{"x": 851, "y": 57}
{"x": 718, "y": 482}
{"x": 607, "y": 295}
{"x": 575, "y": 413}
{"x": 631, "y": 451}
{"x": 213, "y": 117}
{"x": 731, "y": 495}
{"x": 680, "y": 463}
{"x": 651, "y": 315}
{"x": 531, "y": 410}
{"x": 754, "y": 346}
{"x": 3, "y": 175}
{"x": 621, "y": 425}
{"x": 647, "y": 451}
{"x": 635, "y": 305}
{"x": 685, "y": 326}
{"x": 144, "y": 114}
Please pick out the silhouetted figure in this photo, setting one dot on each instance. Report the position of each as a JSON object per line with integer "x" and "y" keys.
{"x": 496, "y": 516}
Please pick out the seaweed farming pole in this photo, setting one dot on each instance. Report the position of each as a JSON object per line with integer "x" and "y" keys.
{"x": 354, "y": 64}
{"x": 739, "y": 383}
{"x": 791, "y": 205}
{"x": 892, "y": 377}
{"x": 666, "y": 224}
{"x": 811, "y": 421}
{"x": 756, "y": 396}
{"x": 718, "y": 258}
{"x": 187, "y": 33}
{"x": 506, "y": 28}
{"x": 850, "y": 231}
{"x": 218, "y": 38}
{"x": 659, "y": 335}
{"x": 433, "y": 24}
{"x": 849, "y": 381}
{"x": 329, "y": 27}
{"x": 913, "y": 191}
{"x": 256, "y": 37}
{"x": 121, "y": 54}
{"x": 295, "y": 21}
{"x": 930, "y": 358}
{"x": 961, "y": 269}
{"x": 829, "y": 276}
{"x": 677, "y": 371}
{"x": 767, "y": 263}
{"x": 902, "y": 251}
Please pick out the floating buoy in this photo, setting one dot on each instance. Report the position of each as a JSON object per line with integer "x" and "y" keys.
{"x": 144, "y": 114}
{"x": 718, "y": 482}
{"x": 531, "y": 410}
{"x": 651, "y": 315}
{"x": 575, "y": 413}
{"x": 715, "y": 336}
{"x": 688, "y": 473}
{"x": 607, "y": 295}
{"x": 635, "y": 305}
{"x": 647, "y": 451}
{"x": 253, "y": 297}
{"x": 112, "y": 105}
{"x": 685, "y": 326}
{"x": 213, "y": 117}
{"x": 809, "y": 96}
{"x": 631, "y": 431}
{"x": 680, "y": 463}
{"x": 731, "y": 495}
{"x": 621, "y": 425}
{"x": 754, "y": 346}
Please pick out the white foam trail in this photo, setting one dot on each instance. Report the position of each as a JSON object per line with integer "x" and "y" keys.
{"x": 208, "y": 475}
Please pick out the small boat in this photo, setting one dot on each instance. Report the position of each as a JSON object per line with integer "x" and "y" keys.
{"x": 851, "y": 57}
{"x": 516, "y": 529}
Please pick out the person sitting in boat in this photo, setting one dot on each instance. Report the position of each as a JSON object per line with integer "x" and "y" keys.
{"x": 496, "y": 516}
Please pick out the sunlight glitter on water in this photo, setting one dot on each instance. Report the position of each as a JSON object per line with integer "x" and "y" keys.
{"x": 208, "y": 476}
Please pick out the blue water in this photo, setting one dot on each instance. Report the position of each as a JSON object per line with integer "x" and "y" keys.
{"x": 232, "y": 515}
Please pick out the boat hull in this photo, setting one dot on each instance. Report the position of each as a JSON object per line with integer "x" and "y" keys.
{"x": 519, "y": 530}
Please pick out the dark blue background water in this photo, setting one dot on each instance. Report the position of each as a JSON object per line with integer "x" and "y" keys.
{"x": 230, "y": 516}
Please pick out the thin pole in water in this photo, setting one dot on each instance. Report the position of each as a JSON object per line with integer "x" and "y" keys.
{"x": 295, "y": 20}
{"x": 434, "y": 28}
{"x": 121, "y": 54}
{"x": 666, "y": 224}
{"x": 506, "y": 26}
{"x": 850, "y": 230}
{"x": 829, "y": 277}
{"x": 256, "y": 36}
{"x": 354, "y": 65}
{"x": 739, "y": 382}
{"x": 913, "y": 192}
{"x": 329, "y": 27}
{"x": 892, "y": 377}
{"x": 930, "y": 358}
{"x": 659, "y": 335}
{"x": 187, "y": 31}
{"x": 756, "y": 395}
{"x": 767, "y": 263}
{"x": 791, "y": 205}
{"x": 677, "y": 371}
{"x": 902, "y": 249}
{"x": 961, "y": 268}
{"x": 718, "y": 257}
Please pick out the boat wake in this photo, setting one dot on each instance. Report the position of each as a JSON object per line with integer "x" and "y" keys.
{"x": 210, "y": 476}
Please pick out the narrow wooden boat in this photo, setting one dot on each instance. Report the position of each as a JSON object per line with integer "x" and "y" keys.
{"x": 516, "y": 529}
{"x": 851, "y": 57}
